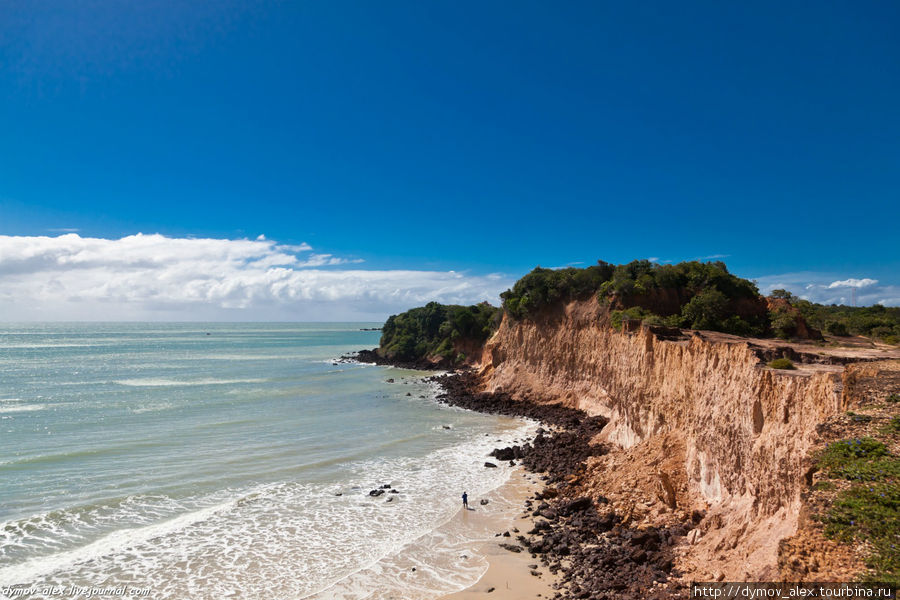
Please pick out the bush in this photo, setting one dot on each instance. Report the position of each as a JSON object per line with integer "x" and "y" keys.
{"x": 782, "y": 363}
{"x": 687, "y": 295}
{"x": 432, "y": 329}
{"x": 851, "y": 320}
{"x": 870, "y": 513}
{"x": 704, "y": 292}
{"x": 783, "y": 295}
{"x": 837, "y": 328}
{"x": 783, "y": 322}
{"x": 860, "y": 459}
{"x": 542, "y": 287}
{"x": 893, "y": 425}
{"x": 617, "y": 317}
{"x": 705, "y": 310}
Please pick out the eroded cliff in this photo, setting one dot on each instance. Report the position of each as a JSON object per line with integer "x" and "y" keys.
{"x": 702, "y": 416}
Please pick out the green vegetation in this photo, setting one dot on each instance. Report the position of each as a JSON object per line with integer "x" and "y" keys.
{"x": 694, "y": 295}
{"x": 616, "y": 317}
{"x": 689, "y": 294}
{"x": 860, "y": 459}
{"x": 880, "y": 322}
{"x": 871, "y": 513}
{"x": 783, "y": 321}
{"x": 782, "y": 363}
{"x": 893, "y": 398}
{"x": 870, "y": 509}
{"x": 893, "y": 425}
{"x": 542, "y": 287}
{"x": 432, "y": 330}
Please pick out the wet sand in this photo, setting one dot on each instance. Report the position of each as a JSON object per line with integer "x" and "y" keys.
{"x": 509, "y": 574}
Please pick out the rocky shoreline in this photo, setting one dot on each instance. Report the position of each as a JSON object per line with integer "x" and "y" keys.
{"x": 596, "y": 552}
{"x": 372, "y": 357}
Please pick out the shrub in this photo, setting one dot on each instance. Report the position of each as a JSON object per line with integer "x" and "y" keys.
{"x": 783, "y": 295}
{"x": 705, "y": 310}
{"x": 870, "y": 513}
{"x": 837, "y": 328}
{"x": 893, "y": 425}
{"x": 860, "y": 459}
{"x": 863, "y": 320}
{"x": 541, "y": 287}
{"x": 782, "y": 363}
{"x": 432, "y": 329}
{"x": 783, "y": 321}
{"x": 616, "y": 317}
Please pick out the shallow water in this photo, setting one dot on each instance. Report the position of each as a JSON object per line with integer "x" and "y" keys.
{"x": 231, "y": 460}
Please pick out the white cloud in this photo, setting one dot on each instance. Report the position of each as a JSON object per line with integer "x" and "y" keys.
{"x": 856, "y": 283}
{"x": 156, "y": 277}
{"x": 825, "y": 288}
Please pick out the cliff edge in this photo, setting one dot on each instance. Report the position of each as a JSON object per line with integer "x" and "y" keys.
{"x": 705, "y": 430}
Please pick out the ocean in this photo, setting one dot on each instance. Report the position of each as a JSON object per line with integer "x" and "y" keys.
{"x": 195, "y": 460}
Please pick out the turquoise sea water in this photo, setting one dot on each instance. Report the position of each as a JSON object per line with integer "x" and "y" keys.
{"x": 228, "y": 460}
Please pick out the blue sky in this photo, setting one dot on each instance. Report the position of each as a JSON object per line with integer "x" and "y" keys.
{"x": 475, "y": 138}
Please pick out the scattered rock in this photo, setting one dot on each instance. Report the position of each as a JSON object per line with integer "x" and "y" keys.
{"x": 578, "y": 505}
{"x": 376, "y": 493}
{"x": 483, "y": 501}
{"x": 591, "y": 547}
{"x": 664, "y": 489}
{"x": 490, "y": 465}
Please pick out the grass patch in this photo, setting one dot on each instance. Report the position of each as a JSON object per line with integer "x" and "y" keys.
{"x": 824, "y": 486}
{"x": 893, "y": 398}
{"x": 868, "y": 511}
{"x": 856, "y": 418}
{"x": 871, "y": 513}
{"x": 782, "y": 363}
{"x": 893, "y": 425}
{"x": 860, "y": 459}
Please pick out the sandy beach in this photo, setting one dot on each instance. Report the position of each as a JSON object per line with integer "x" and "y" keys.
{"x": 510, "y": 575}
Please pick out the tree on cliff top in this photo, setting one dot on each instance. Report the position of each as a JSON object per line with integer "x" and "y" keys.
{"x": 636, "y": 284}
{"x": 431, "y": 330}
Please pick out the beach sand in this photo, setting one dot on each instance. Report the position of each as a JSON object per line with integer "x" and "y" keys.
{"x": 508, "y": 576}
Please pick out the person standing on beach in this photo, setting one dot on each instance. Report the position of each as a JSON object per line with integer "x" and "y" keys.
{"x": 465, "y": 500}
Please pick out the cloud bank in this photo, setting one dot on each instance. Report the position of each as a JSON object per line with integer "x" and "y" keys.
{"x": 154, "y": 277}
{"x": 827, "y": 289}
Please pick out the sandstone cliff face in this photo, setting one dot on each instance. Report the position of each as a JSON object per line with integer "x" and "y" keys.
{"x": 745, "y": 429}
